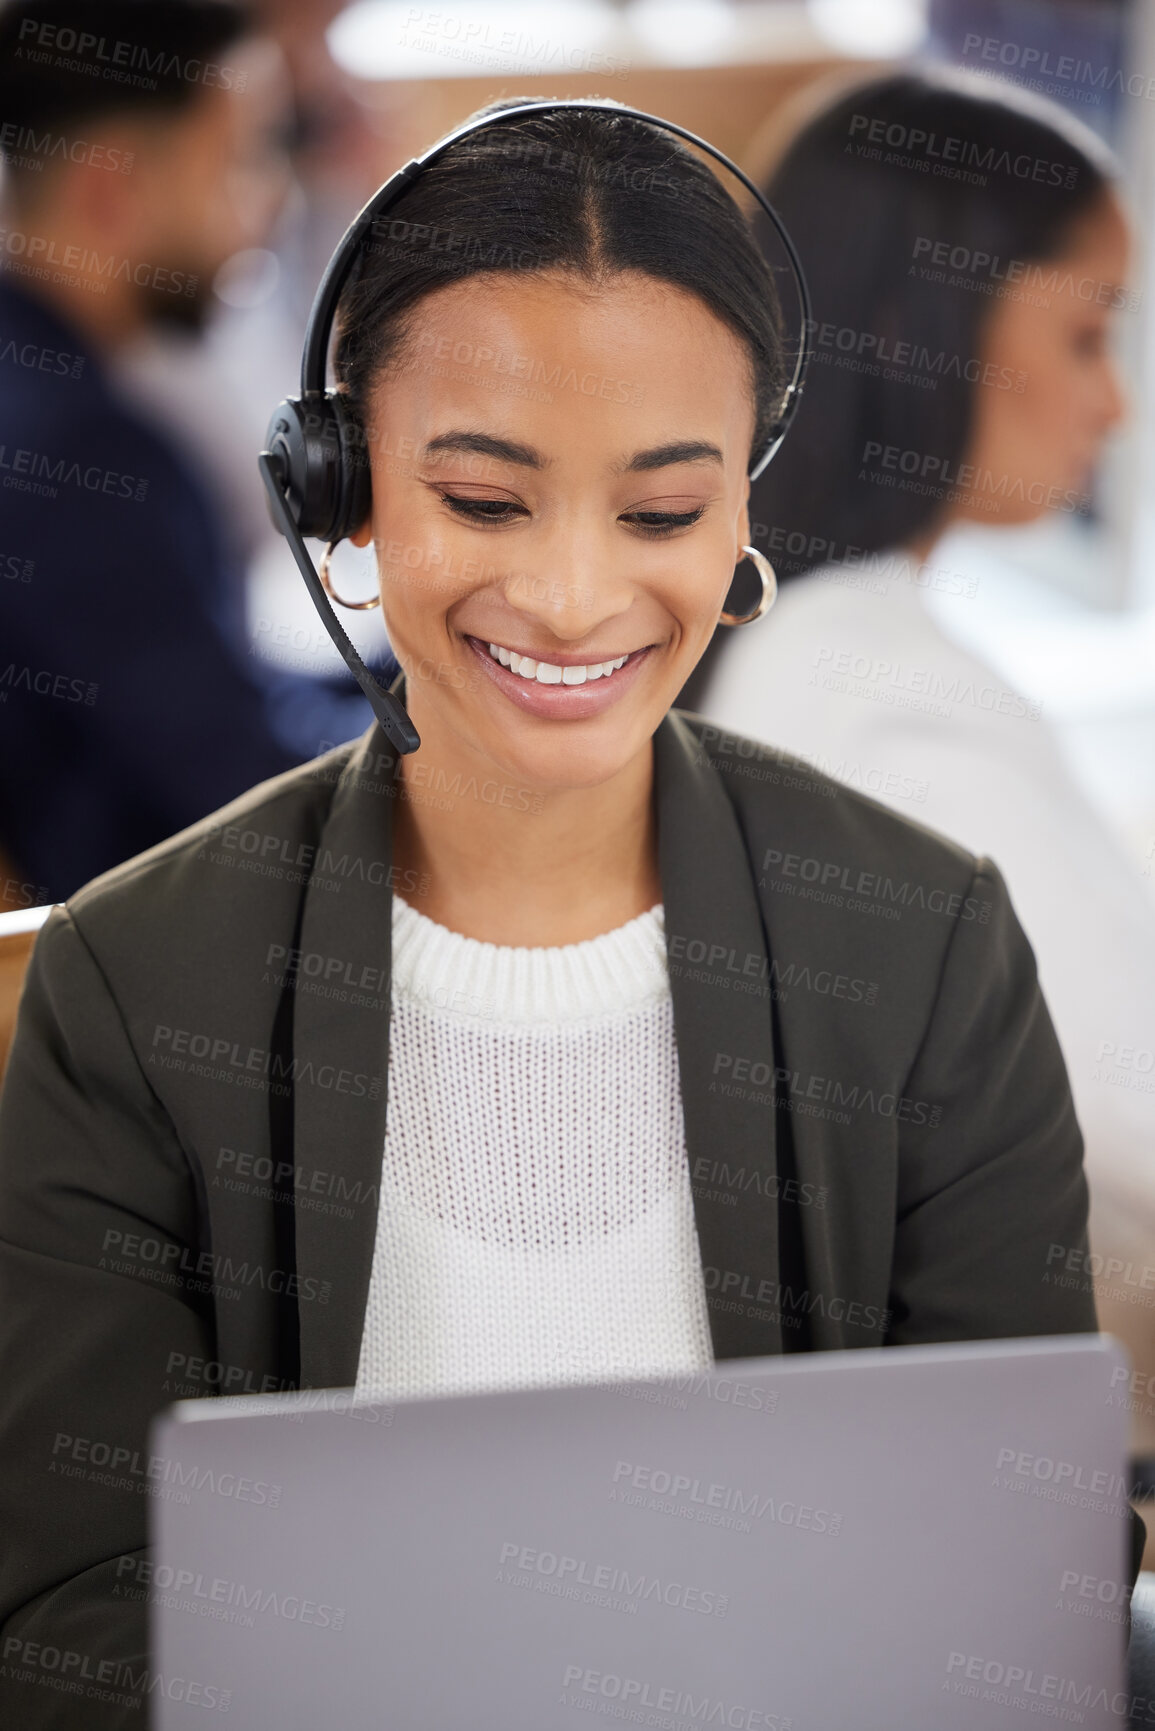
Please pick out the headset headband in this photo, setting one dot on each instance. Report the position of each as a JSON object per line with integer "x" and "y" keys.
{"x": 315, "y": 478}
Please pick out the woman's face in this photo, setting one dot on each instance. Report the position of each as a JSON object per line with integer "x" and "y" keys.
{"x": 1046, "y": 438}
{"x": 560, "y": 471}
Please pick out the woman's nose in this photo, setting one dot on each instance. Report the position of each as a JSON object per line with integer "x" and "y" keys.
{"x": 570, "y": 587}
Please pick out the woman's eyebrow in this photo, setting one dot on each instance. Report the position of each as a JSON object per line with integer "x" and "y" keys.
{"x": 486, "y": 445}
{"x": 662, "y": 456}
{"x": 510, "y": 451}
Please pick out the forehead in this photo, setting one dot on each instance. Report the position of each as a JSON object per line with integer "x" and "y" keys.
{"x": 630, "y": 355}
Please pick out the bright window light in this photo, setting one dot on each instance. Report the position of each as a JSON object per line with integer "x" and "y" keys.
{"x": 683, "y": 32}
{"x": 876, "y": 28}
{"x": 381, "y": 39}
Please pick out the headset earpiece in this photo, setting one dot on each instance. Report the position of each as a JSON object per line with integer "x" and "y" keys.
{"x": 321, "y": 453}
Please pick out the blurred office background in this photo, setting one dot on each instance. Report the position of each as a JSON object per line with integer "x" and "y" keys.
{"x": 1064, "y": 608}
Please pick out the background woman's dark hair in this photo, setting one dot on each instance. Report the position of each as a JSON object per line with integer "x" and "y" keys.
{"x": 868, "y": 189}
{"x": 589, "y": 192}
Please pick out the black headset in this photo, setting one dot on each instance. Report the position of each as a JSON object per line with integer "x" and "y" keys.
{"x": 314, "y": 472}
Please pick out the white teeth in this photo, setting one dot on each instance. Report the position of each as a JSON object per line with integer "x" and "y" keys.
{"x": 549, "y": 673}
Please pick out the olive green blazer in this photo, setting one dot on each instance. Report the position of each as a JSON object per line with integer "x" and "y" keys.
{"x": 880, "y": 1133}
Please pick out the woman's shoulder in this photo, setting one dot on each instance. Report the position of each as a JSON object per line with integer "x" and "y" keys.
{"x": 764, "y": 779}
{"x": 803, "y": 823}
{"x": 247, "y": 861}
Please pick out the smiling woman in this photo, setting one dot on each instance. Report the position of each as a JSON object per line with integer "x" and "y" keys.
{"x": 585, "y": 1040}
{"x": 638, "y": 531}
{"x": 627, "y": 285}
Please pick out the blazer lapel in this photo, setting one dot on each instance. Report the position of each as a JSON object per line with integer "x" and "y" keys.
{"x": 716, "y": 947}
{"x": 341, "y": 1059}
{"x": 341, "y": 1052}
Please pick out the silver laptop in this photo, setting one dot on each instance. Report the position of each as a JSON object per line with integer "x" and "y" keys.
{"x": 909, "y": 1539}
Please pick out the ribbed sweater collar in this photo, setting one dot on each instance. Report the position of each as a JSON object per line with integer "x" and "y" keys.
{"x": 505, "y": 986}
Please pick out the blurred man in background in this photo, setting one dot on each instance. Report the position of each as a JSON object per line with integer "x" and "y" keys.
{"x": 213, "y": 388}
{"x": 144, "y": 146}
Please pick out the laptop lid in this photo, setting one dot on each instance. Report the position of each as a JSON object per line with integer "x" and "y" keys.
{"x": 878, "y": 1540}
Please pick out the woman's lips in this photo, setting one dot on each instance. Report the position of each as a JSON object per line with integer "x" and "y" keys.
{"x": 561, "y": 702}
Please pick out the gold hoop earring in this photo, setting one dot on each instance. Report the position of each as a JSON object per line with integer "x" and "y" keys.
{"x": 323, "y": 574}
{"x": 769, "y": 591}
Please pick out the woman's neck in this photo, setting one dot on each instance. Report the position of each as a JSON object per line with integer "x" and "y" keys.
{"x": 507, "y": 863}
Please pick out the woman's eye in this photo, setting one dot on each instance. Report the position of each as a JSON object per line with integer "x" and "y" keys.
{"x": 662, "y": 522}
{"x": 482, "y": 510}
{"x": 505, "y": 511}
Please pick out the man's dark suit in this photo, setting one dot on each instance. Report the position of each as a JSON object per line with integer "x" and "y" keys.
{"x": 190, "y": 1143}
{"x": 131, "y": 703}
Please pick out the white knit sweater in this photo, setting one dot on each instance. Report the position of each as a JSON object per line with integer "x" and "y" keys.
{"x": 535, "y": 1221}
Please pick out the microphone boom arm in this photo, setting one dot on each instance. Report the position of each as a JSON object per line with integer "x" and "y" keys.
{"x": 389, "y": 710}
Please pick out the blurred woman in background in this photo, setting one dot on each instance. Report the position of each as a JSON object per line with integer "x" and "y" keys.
{"x": 962, "y": 305}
